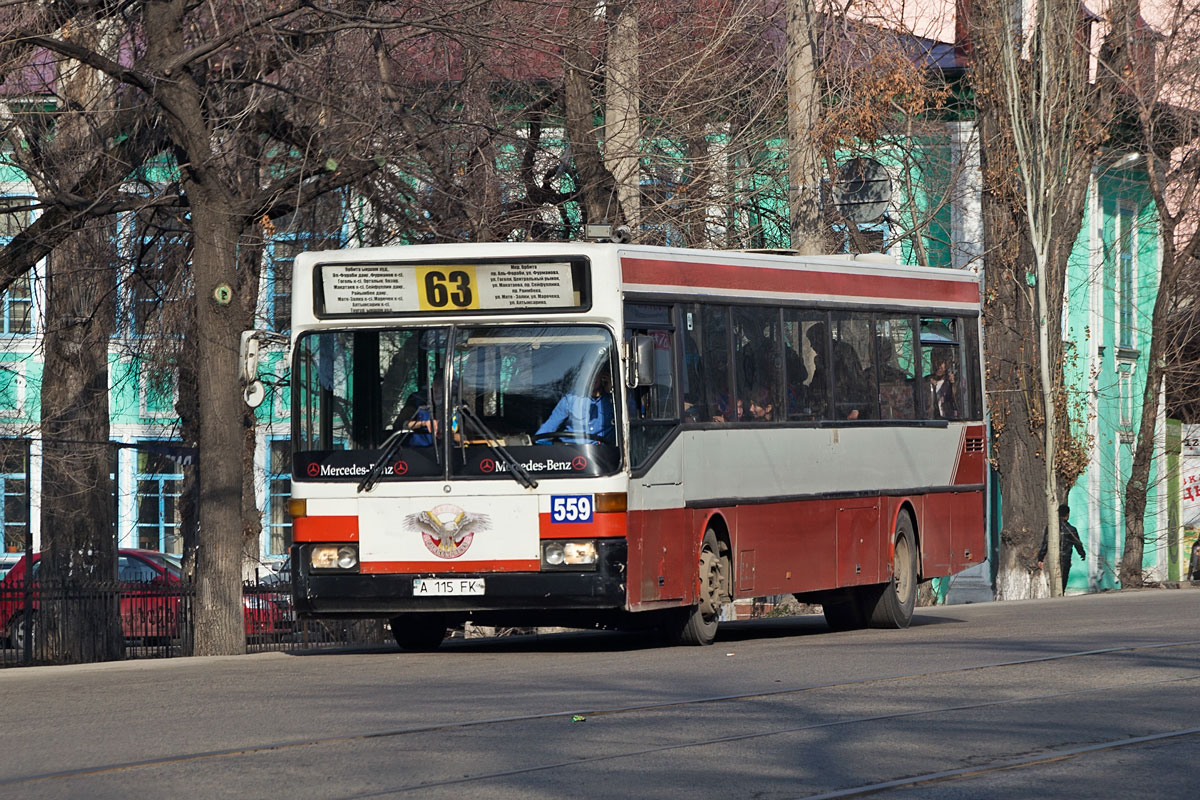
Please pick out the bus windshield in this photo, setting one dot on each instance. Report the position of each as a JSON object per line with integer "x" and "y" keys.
{"x": 542, "y": 393}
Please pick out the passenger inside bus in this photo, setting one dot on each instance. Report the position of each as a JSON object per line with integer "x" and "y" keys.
{"x": 850, "y": 380}
{"x": 799, "y": 400}
{"x": 724, "y": 409}
{"x": 762, "y": 408}
{"x": 419, "y": 415}
{"x": 895, "y": 385}
{"x": 582, "y": 419}
{"x": 939, "y": 386}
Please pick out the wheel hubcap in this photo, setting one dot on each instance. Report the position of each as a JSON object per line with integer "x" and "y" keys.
{"x": 903, "y": 574}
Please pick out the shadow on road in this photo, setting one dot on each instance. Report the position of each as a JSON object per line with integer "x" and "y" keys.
{"x": 592, "y": 641}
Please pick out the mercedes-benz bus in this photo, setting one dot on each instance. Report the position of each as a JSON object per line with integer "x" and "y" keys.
{"x": 596, "y": 434}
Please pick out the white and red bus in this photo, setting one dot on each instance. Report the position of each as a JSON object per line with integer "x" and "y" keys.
{"x": 604, "y": 434}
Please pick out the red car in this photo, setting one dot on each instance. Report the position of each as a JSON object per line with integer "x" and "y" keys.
{"x": 147, "y": 611}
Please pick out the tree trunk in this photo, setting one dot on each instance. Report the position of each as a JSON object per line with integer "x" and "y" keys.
{"x": 219, "y": 624}
{"x": 803, "y": 110}
{"x": 1014, "y": 402}
{"x": 1137, "y": 487}
{"x": 81, "y": 622}
{"x": 593, "y": 183}
{"x": 80, "y": 616}
{"x": 622, "y": 118}
{"x": 219, "y": 319}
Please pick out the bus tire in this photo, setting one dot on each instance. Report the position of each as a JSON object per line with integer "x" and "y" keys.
{"x": 698, "y": 625}
{"x": 418, "y": 633}
{"x": 894, "y": 607}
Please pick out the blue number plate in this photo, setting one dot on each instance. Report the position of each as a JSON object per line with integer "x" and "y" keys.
{"x": 571, "y": 508}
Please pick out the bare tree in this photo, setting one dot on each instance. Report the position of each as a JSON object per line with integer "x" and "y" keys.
{"x": 66, "y": 149}
{"x": 255, "y": 130}
{"x": 1044, "y": 120}
{"x": 804, "y": 97}
{"x": 1161, "y": 103}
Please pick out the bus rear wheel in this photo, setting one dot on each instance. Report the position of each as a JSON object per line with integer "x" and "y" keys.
{"x": 894, "y": 607}
{"x": 418, "y": 633}
{"x": 698, "y": 625}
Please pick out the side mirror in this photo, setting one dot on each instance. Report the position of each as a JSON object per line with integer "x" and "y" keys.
{"x": 641, "y": 361}
{"x": 253, "y": 391}
{"x": 248, "y": 356}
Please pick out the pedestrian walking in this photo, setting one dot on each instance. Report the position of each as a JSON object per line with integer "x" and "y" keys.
{"x": 1068, "y": 538}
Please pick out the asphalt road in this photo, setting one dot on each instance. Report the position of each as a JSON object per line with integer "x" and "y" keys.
{"x": 1094, "y": 696}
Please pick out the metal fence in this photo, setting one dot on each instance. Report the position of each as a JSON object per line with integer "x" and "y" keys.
{"x": 48, "y": 623}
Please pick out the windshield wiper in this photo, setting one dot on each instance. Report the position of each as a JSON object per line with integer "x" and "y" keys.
{"x": 493, "y": 442}
{"x": 391, "y": 446}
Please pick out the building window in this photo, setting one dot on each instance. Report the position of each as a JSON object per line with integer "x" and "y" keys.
{"x": 16, "y": 303}
{"x": 279, "y": 489}
{"x": 14, "y": 500}
{"x": 1126, "y": 275}
{"x": 12, "y": 388}
{"x": 159, "y": 483}
{"x": 158, "y": 390}
{"x": 1125, "y": 379}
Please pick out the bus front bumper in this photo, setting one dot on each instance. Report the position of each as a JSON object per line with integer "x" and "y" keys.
{"x": 330, "y": 594}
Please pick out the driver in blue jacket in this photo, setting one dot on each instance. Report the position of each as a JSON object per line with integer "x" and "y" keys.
{"x": 586, "y": 418}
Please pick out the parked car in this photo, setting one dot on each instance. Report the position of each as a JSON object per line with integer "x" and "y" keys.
{"x": 148, "y": 608}
{"x": 7, "y": 562}
{"x": 279, "y": 575}
{"x": 1194, "y": 567}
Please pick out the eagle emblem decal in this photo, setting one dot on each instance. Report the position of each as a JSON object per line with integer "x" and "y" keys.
{"x": 447, "y": 530}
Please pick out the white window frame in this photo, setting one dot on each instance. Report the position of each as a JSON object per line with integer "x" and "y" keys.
{"x": 17, "y": 370}
{"x": 1126, "y": 212}
{"x": 144, "y": 389}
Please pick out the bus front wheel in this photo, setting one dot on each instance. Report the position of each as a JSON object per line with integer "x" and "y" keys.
{"x": 418, "y": 632}
{"x": 894, "y": 607}
{"x": 698, "y": 624}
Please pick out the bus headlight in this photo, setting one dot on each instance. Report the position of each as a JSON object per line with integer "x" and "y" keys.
{"x": 569, "y": 555}
{"x": 333, "y": 556}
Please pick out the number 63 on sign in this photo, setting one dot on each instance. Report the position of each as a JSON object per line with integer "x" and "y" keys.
{"x": 446, "y": 287}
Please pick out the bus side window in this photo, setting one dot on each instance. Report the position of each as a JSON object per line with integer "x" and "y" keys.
{"x": 940, "y": 367}
{"x": 805, "y": 392}
{"x": 970, "y": 390}
{"x": 656, "y": 401}
{"x": 757, "y": 363}
{"x": 896, "y": 371}
{"x": 652, "y": 409}
{"x": 854, "y": 393}
{"x": 718, "y": 391}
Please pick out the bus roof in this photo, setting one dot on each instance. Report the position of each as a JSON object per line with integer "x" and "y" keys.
{"x": 863, "y": 279}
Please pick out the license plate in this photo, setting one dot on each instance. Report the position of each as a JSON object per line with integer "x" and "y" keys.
{"x": 425, "y": 587}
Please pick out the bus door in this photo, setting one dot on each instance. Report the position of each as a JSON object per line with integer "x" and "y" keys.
{"x": 661, "y": 556}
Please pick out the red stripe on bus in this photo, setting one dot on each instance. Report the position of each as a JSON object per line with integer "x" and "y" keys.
{"x": 325, "y": 529}
{"x": 439, "y": 567}
{"x": 693, "y": 274}
{"x": 608, "y": 525}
